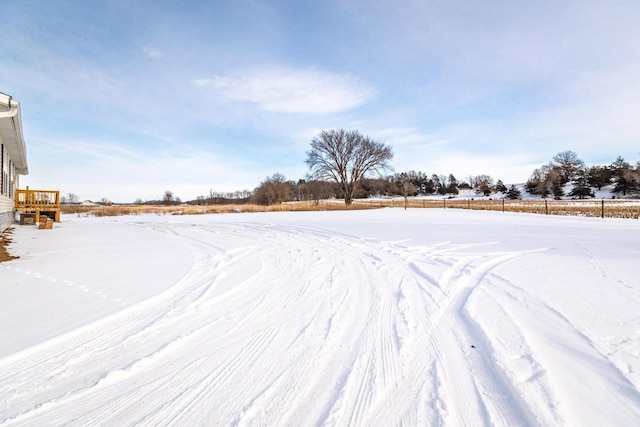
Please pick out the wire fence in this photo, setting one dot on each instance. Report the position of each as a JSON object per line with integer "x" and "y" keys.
{"x": 613, "y": 208}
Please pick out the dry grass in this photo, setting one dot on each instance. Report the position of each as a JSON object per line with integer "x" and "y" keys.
{"x": 117, "y": 210}
{"x": 5, "y": 239}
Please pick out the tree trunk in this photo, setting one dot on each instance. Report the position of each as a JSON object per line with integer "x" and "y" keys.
{"x": 348, "y": 193}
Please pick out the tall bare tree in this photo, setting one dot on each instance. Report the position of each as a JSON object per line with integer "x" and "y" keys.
{"x": 346, "y": 157}
{"x": 569, "y": 165}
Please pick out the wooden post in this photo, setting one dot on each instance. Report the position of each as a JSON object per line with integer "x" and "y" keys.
{"x": 602, "y": 208}
{"x": 502, "y": 205}
{"x": 546, "y": 207}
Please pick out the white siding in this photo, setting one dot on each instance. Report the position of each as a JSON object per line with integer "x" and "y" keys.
{"x": 6, "y": 212}
{"x": 8, "y": 185}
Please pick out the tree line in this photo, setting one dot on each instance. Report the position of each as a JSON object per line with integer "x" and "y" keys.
{"x": 348, "y": 165}
{"x": 567, "y": 168}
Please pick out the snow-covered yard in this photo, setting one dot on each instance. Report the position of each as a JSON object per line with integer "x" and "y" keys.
{"x": 386, "y": 317}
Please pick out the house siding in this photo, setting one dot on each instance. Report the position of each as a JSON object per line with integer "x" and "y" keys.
{"x": 6, "y": 213}
{"x": 8, "y": 185}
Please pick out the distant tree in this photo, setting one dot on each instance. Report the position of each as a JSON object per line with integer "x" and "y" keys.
{"x": 532, "y": 186}
{"x": 483, "y": 184}
{"x": 438, "y": 183}
{"x": 369, "y": 187}
{"x": 104, "y": 201}
{"x": 72, "y": 198}
{"x": 407, "y": 187}
{"x": 429, "y": 187}
{"x": 273, "y": 190}
{"x": 569, "y": 164}
{"x": 452, "y": 186}
{"x": 317, "y": 190}
{"x": 599, "y": 176}
{"x": 472, "y": 181}
{"x": 464, "y": 185}
{"x": 420, "y": 181}
{"x": 138, "y": 202}
{"x": 545, "y": 181}
{"x": 555, "y": 182}
{"x": 408, "y": 183}
{"x": 346, "y": 157}
{"x": 501, "y": 187}
{"x": 581, "y": 188}
{"x": 167, "y": 198}
{"x": 625, "y": 177}
{"x": 513, "y": 193}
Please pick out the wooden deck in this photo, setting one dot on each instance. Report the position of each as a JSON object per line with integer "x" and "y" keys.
{"x": 39, "y": 202}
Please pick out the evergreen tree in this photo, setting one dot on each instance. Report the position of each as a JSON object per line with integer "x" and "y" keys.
{"x": 558, "y": 190}
{"x": 513, "y": 193}
{"x": 599, "y": 176}
{"x": 501, "y": 187}
{"x": 620, "y": 171}
{"x": 581, "y": 188}
{"x": 452, "y": 188}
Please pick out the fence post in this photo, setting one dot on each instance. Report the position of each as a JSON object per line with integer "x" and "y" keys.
{"x": 546, "y": 207}
{"x": 444, "y": 203}
{"x": 502, "y": 205}
{"x": 469, "y": 204}
{"x": 602, "y": 208}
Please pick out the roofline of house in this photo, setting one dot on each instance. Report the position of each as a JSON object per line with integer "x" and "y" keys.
{"x": 11, "y": 132}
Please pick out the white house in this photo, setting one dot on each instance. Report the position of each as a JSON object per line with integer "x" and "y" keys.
{"x": 13, "y": 157}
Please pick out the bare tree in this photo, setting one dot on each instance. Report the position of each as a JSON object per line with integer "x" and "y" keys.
{"x": 317, "y": 190}
{"x": 483, "y": 184}
{"x": 273, "y": 190}
{"x": 346, "y": 157}
{"x": 167, "y": 197}
{"x": 407, "y": 186}
{"x": 72, "y": 198}
{"x": 569, "y": 165}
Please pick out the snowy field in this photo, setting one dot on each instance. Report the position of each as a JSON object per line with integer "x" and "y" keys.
{"x": 363, "y": 318}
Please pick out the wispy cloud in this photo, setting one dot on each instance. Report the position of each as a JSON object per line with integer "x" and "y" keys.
{"x": 404, "y": 136}
{"x": 152, "y": 52}
{"x": 286, "y": 90}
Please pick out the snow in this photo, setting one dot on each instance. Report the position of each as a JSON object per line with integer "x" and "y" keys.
{"x": 381, "y": 317}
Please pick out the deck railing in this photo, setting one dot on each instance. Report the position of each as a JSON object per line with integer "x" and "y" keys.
{"x": 37, "y": 199}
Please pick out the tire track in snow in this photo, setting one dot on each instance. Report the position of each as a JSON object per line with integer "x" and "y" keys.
{"x": 307, "y": 327}
{"x": 544, "y": 330}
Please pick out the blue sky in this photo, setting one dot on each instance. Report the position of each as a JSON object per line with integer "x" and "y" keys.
{"x": 126, "y": 99}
